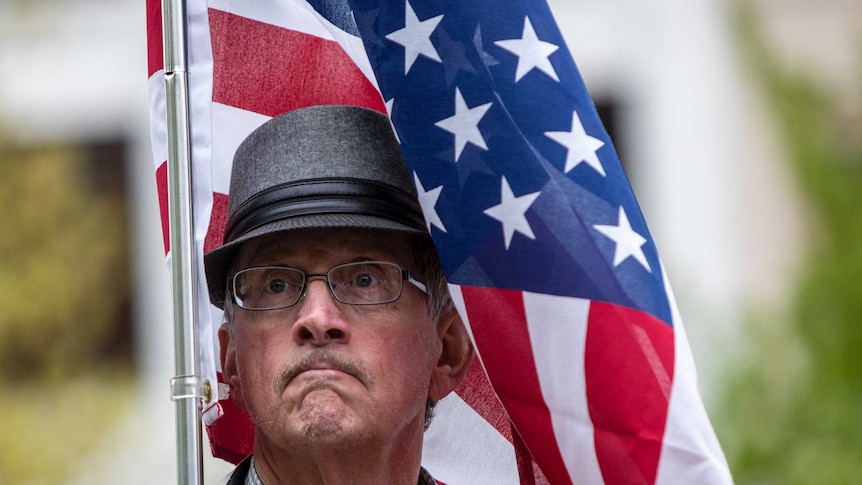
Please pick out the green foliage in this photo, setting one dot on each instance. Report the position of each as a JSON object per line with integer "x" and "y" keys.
{"x": 63, "y": 265}
{"x": 63, "y": 284}
{"x": 793, "y": 413}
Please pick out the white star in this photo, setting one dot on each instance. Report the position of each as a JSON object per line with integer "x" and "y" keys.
{"x": 511, "y": 212}
{"x": 532, "y": 53}
{"x": 390, "y": 105}
{"x": 580, "y": 146}
{"x": 416, "y": 37}
{"x": 628, "y": 242}
{"x": 464, "y": 124}
{"x": 428, "y": 201}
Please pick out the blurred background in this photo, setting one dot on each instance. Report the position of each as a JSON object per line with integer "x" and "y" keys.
{"x": 739, "y": 124}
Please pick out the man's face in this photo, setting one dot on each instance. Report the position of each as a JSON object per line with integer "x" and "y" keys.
{"x": 326, "y": 372}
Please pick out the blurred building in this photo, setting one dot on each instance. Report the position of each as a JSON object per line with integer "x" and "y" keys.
{"x": 690, "y": 126}
{"x": 76, "y": 73}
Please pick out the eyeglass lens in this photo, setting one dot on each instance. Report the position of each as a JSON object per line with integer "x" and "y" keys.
{"x": 362, "y": 283}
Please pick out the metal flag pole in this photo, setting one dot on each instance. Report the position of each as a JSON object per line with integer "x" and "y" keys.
{"x": 188, "y": 388}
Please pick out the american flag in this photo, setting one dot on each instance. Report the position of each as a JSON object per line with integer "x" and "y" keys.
{"x": 548, "y": 255}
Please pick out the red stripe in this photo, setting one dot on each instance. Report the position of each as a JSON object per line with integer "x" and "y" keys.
{"x": 155, "y": 56}
{"x": 270, "y": 70}
{"x": 476, "y": 391}
{"x": 232, "y": 435}
{"x": 523, "y": 459}
{"x": 499, "y": 324}
{"x": 218, "y": 221}
{"x": 162, "y": 188}
{"x": 629, "y": 368}
{"x": 218, "y": 217}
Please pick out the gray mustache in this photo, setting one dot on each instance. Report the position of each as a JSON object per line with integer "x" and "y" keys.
{"x": 326, "y": 360}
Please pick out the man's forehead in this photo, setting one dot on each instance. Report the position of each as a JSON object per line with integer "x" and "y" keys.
{"x": 320, "y": 241}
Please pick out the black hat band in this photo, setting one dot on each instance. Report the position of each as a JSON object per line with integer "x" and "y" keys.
{"x": 325, "y": 196}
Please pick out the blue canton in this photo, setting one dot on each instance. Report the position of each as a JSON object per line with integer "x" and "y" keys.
{"x": 520, "y": 183}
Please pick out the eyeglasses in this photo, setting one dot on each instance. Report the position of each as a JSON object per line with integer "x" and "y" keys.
{"x": 362, "y": 283}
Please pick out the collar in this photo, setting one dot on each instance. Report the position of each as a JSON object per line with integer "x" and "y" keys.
{"x": 252, "y": 478}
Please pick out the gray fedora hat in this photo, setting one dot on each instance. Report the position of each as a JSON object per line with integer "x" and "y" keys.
{"x": 321, "y": 166}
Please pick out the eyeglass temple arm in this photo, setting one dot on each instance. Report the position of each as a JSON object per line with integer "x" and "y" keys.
{"x": 405, "y": 274}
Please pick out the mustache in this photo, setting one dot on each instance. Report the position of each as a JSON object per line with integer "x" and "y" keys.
{"x": 322, "y": 360}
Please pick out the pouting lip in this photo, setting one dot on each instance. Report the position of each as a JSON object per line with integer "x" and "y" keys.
{"x": 322, "y": 361}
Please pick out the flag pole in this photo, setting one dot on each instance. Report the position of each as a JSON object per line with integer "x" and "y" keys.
{"x": 188, "y": 388}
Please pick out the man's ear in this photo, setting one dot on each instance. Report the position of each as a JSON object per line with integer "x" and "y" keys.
{"x": 456, "y": 355}
{"x": 227, "y": 354}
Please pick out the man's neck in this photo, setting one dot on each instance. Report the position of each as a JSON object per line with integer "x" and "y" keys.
{"x": 356, "y": 465}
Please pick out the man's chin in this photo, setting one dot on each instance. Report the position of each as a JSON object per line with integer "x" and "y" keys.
{"x": 324, "y": 416}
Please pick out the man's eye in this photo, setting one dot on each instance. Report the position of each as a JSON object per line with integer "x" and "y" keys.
{"x": 277, "y": 286}
{"x": 364, "y": 280}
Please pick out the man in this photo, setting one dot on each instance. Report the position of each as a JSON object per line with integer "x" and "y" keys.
{"x": 339, "y": 331}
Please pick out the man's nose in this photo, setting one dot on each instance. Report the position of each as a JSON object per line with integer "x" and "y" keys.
{"x": 320, "y": 319}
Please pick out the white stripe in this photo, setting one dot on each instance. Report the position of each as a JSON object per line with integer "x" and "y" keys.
{"x": 299, "y": 16}
{"x": 462, "y": 448}
{"x": 217, "y": 316}
{"x": 690, "y": 451}
{"x": 558, "y": 331}
{"x": 230, "y": 127}
{"x": 200, "y": 98}
{"x": 458, "y": 300}
{"x": 158, "y": 118}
